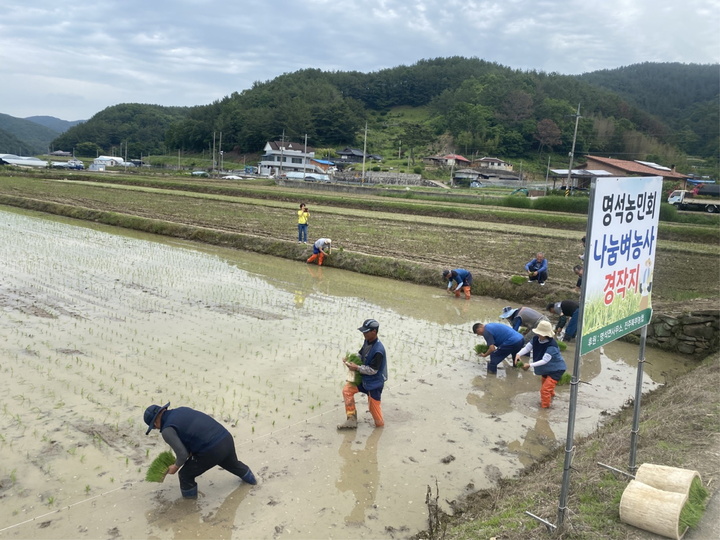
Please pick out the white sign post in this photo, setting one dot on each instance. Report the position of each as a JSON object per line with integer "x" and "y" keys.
{"x": 621, "y": 244}
{"x": 621, "y": 241}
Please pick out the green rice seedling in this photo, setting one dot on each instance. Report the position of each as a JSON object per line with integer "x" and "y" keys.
{"x": 159, "y": 467}
{"x": 518, "y": 280}
{"x": 353, "y": 376}
{"x": 481, "y": 348}
{"x": 695, "y": 506}
{"x": 565, "y": 379}
{"x": 562, "y": 345}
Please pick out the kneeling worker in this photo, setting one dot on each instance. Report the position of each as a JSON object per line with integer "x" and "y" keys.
{"x": 462, "y": 277}
{"x": 321, "y": 249}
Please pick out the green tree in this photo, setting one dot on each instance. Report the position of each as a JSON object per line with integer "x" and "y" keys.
{"x": 87, "y": 149}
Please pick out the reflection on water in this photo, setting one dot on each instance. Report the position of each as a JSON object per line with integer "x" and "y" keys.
{"x": 189, "y": 518}
{"x": 359, "y": 472}
{"x": 537, "y": 442}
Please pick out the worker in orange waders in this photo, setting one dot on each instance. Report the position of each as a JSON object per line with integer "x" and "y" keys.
{"x": 462, "y": 278}
{"x": 321, "y": 249}
{"x": 546, "y": 360}
{"x": 374, "y": 374}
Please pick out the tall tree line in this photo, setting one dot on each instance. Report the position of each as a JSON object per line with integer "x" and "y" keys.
{"x": 481, "y": 106}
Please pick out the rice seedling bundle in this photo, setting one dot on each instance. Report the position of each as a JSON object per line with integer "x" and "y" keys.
{"x": 565, "y": 379}
{"x": 694, "y": 508}
{"x": 518, "y": 280}
{"x": 481, "y": 348}
{"x": 159, "y": 467}
{"x": 353, "y": 376}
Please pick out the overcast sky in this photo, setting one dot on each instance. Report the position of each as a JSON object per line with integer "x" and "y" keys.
{"x": 72, "y": 59}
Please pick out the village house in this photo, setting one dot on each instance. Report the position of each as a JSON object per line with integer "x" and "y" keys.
{"x": 492, "y": 163}
{"x": 596, "y": 166}
{"x": 353, "y": 155}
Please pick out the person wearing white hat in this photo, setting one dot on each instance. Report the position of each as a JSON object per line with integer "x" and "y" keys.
{"x": 546, "y": 360}
{"x": 321, "y": 249}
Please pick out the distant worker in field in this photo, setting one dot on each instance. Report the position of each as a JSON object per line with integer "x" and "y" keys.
{"x": 303, "y": 217}
{"x": 582, "y": 255}
{"x": 463, "y": 280}
{"x": 565, "y": 309}
{"x": 200, "y": 443}
{"x": 321, "y": 249}
{"x": 546, "y": 361}
{"x": 537, "y": 269}
{"x": 523, "y": 317}
{"x": 373, "y": 371}
{"x": 502, "y": 342}
{"x": 578, "y": 270}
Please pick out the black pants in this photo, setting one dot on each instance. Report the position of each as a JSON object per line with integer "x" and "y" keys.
{"x": 222, "y": 454}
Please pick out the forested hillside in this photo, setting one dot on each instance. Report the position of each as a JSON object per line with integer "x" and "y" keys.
{"x": 685, "y": 96}
{"x": 469, "y": 105}
{"x": 142, "y": 127}
{"x": 10, "y": 144}
{"x": 33, "y": 138}
{"x": 56, "y": 124}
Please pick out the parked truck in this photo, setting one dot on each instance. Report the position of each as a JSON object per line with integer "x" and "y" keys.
{"x": 706, "y": 198}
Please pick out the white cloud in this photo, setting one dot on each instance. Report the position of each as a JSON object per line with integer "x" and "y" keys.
{"x": 72, "y": 60}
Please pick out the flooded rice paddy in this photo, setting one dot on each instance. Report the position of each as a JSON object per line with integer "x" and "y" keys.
{"x": 98, "y": 323}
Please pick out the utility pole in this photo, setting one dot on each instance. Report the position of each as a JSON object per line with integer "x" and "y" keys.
{"x": 547, "y": 174}
{"x": 572, "y": 152}
{"x": 221, "y": 153}
{"x": 213, "y": 155}
{"x": 305, "y": 158}
{"x": 364, "y": 153}
{"x": 282, "y": 153}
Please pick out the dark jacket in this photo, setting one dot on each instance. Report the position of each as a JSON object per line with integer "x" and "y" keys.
{"x": 375, "y": 357}
{"x": 196, "y": 430}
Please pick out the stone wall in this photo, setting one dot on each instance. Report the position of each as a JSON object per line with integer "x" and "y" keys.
{"x": 696, "y": 333}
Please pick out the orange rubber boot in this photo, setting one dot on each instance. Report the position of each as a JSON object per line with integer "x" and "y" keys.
{"x": 547, "y": 391}
{"x": 376, "y": 412}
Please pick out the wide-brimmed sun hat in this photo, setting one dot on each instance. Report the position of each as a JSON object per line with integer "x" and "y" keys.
{"x": 151, "y": 414}
{"x": 508, "y": 311}
{"x": 544, "y": 328}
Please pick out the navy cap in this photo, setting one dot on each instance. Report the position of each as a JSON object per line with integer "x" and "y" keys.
{"x": 151, "y": 414}
{"x": 369, "y": 324}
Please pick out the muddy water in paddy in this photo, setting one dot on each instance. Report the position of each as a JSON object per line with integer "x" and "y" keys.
{"x": 99, "y": 323}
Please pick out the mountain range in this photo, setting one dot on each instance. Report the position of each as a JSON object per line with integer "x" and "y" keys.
{"x": 32, "y": 135}
{"x": 657, "y": 111}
